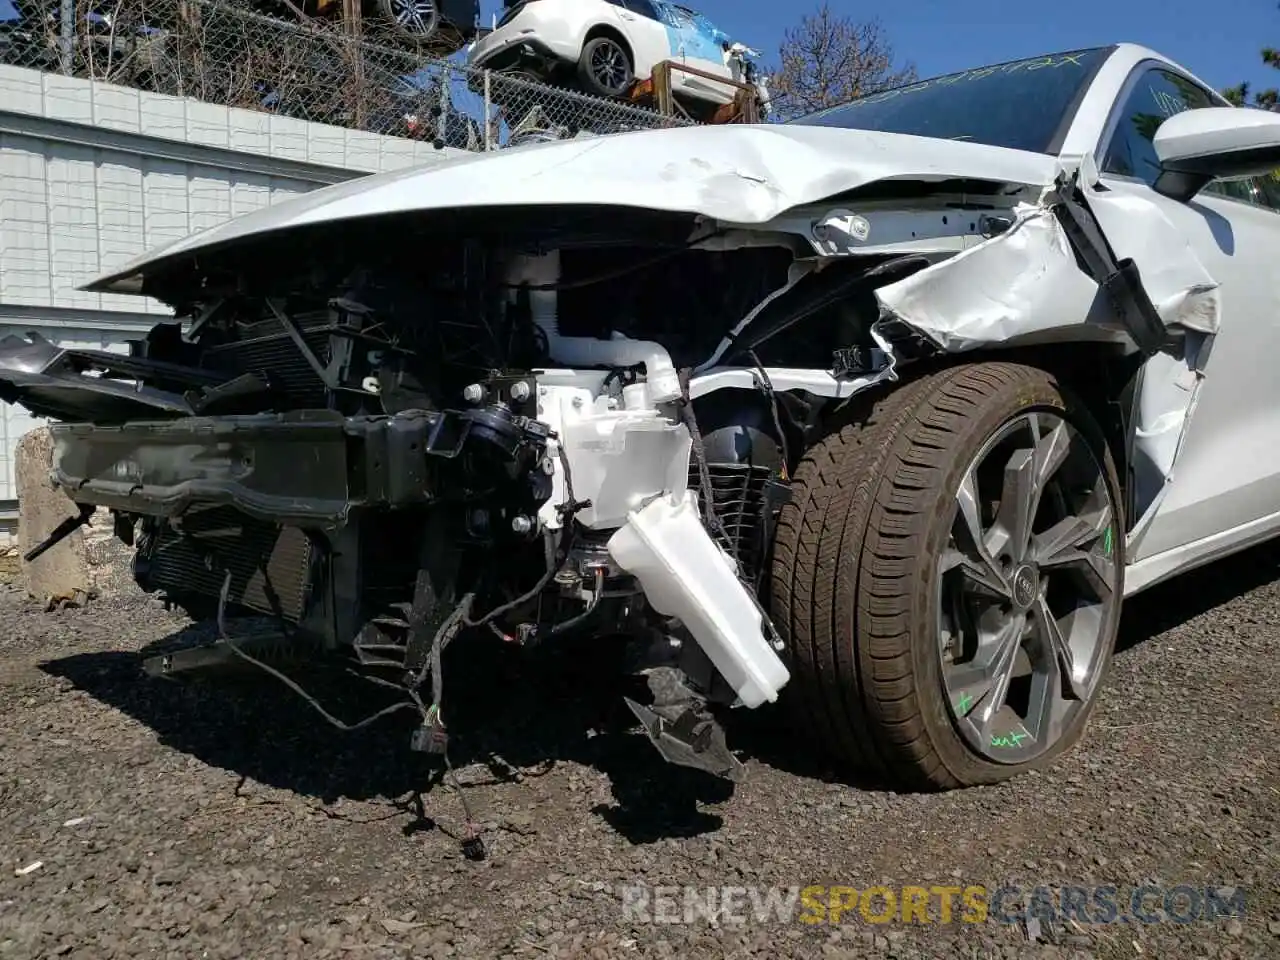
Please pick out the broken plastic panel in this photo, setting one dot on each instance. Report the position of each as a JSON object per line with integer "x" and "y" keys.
{"x": 686, "y": 575}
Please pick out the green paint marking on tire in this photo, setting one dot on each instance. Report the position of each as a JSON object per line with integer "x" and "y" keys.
{"x": 1107, "y": 541}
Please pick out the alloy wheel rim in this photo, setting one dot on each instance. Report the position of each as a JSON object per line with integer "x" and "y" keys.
{"x": 609, "y": 65}
{"x": 415, "y": 16}
{"x": 1027, "y": 591}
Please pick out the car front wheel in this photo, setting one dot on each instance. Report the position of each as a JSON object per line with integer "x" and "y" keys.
{"x": 948, "y": 577}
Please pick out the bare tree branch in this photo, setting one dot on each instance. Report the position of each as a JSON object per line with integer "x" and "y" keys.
{"x": 829, "y": 59}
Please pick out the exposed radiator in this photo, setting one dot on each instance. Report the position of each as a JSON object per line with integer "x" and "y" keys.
{"x": 270, "y": 565}
{"x": 738, "y": 490}
{"x": 266, "y": 348}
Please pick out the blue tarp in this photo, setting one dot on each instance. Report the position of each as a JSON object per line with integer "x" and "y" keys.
{"x": 691, "y": 33}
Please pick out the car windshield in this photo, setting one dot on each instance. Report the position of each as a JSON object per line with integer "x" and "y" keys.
{"x": 1021, "y": 104}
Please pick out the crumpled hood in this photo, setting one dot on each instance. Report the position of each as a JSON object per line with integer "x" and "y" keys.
{"x": 742, "y": 174}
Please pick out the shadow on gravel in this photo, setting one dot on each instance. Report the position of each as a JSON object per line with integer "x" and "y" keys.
{"x": 768, "y": 735}
{"x": 519, "y": 713}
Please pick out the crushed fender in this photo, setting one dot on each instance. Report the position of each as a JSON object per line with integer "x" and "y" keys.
{"x": 1085, "y": 263}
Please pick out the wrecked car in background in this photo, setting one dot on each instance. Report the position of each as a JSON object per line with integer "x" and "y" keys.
{"x": 603, "y": 47}
{"x": 880, "y": 413}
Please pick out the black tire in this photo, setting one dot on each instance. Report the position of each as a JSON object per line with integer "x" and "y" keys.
{"x": 418, "y": 19}
{"x": 622, "y": 76}
{"x": 856, "y": 571}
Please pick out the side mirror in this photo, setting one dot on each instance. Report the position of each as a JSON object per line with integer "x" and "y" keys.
{"x": 1197, "y": 146}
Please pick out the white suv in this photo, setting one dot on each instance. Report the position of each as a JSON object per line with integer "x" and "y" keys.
{"x": 609, "y": 44}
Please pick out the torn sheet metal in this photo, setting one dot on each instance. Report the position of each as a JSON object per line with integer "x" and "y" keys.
{"x": 1164, "y": 405}
{"x": 1021, "y": 285}
{"x": 1026, "y": 286}
{"x": 1184, "y": 293}
{"x": 1186, "y": 296}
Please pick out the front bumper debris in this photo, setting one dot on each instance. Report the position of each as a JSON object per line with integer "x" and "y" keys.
{"x": 306, "y": 468}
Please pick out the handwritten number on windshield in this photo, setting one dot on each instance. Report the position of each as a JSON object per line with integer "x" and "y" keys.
{"x": 967, "y": 76}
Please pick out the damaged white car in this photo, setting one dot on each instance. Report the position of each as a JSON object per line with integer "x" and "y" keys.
{"x": 880, "y": 413}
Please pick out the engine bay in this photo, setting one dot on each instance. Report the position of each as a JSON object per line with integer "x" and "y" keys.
{"x": 389, "y": 331}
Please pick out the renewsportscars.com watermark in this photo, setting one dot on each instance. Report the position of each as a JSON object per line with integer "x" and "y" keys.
{"x": 974, "y": 903}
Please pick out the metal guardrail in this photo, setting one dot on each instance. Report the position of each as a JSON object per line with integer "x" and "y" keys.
{"x": 312, "y": 71}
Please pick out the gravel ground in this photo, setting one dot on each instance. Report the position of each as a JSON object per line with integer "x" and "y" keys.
{"x": 221, "y": 817}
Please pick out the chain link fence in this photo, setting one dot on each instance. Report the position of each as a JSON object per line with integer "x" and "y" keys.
{"x": 310, "y": 70}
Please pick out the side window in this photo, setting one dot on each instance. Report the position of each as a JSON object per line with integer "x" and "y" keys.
{"x": 1158, "y": 95}
{"x": 1269, "y": 186}
{"x": 1246, "y": 189}
{"x": 643, "y": 7}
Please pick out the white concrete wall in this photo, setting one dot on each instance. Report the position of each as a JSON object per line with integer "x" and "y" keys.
{"x": 92, "y": 175}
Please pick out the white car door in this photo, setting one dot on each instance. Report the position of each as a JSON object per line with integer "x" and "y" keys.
{"x": 650, "y": 41}
{"x": 1225, "y": 481}
{"x": 701, "y": 46}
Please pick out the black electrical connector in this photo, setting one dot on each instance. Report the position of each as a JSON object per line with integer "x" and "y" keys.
{"x": 473, "y": 847}
{"x": 430, "y": 738}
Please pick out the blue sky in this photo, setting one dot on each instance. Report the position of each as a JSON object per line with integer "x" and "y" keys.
{"x": 1219, "y": 42}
